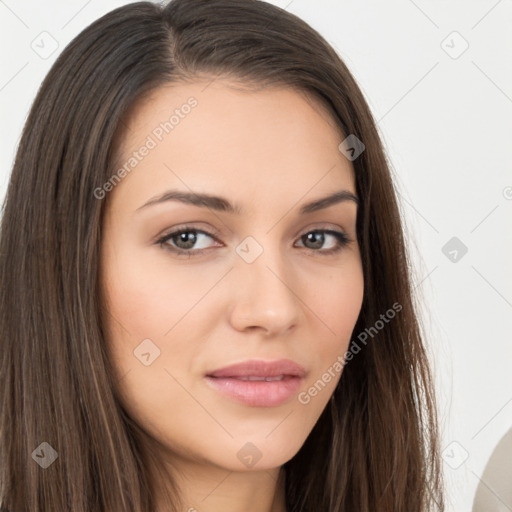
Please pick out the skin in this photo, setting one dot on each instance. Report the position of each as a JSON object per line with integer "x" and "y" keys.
{"x": 270, "y": 151}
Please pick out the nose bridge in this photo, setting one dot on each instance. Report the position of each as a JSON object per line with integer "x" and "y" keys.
{"x": 265, "y": 297}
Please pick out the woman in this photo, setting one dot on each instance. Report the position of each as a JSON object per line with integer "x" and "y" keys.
{"x": 271, "y": 361}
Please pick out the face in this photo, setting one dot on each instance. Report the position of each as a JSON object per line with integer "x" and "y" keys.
{"x": 192, "y": 286}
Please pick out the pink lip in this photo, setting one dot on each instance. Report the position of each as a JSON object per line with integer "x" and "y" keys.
{"x": 233, "y": 382}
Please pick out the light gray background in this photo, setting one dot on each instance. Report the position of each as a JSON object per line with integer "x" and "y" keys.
{"x": 445, "y": 116}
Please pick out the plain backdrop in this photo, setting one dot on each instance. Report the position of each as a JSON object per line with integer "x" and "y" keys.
{"x": 438, "y": 78}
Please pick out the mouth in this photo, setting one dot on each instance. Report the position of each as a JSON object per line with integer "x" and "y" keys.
{"x": 266, "y": 379}
{"x": 258, "y": 383}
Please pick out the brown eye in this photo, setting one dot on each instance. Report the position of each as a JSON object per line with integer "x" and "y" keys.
{"x": 184, "y": 240}
{"x": 315, "y": 240}
{"x": 187, "y": 238}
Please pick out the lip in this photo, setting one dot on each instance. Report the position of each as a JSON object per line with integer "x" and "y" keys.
{"x": 244, "y": 382}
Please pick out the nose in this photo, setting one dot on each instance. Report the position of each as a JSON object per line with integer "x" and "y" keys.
{"x": 264, "y": 298}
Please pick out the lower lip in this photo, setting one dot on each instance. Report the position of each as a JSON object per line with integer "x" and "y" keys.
{"x": 257, "y": 393}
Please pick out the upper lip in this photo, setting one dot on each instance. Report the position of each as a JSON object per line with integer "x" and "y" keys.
{"x": 255, "y": 368}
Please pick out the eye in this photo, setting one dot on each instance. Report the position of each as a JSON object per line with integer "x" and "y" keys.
{"x": 314, "y": 240}
{"x": 183, "y": 241}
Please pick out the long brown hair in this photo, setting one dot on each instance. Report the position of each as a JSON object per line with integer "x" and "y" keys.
{"x": 375, "y": 446}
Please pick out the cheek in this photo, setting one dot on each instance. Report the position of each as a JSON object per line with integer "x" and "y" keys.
{"x": 153, "y": 311}
{"x": 148, "y": 308}
{"x": 149, "y": 297}
{"x": 337, "y": 305}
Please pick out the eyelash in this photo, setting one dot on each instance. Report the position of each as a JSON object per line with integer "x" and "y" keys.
{"x": 342, "y": 240}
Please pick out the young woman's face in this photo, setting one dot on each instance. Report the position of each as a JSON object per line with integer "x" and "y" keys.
{"x": 265, "y": 282}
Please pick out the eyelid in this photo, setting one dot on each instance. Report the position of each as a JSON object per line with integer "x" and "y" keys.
{"x": 320, "y": 226}
{"x": 186, "y": 227}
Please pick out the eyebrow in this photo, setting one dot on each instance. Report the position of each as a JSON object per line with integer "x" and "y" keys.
{"x": 223, "y": 205}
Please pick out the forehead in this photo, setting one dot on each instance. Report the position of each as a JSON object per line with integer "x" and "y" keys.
{"x": 218, "y": 133}
{"x": 223, "y": 92}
